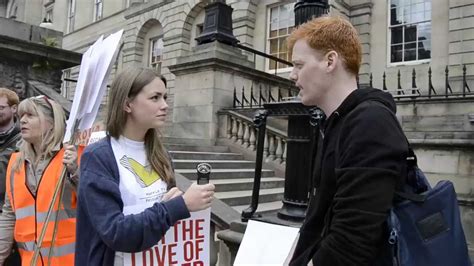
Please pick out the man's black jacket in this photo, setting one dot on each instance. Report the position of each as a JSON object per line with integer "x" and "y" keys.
{"x": 353, "y": 193}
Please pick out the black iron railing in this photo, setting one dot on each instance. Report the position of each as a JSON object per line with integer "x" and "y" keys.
{"x": 265, "y": 95}
{"x": 430, "y": 93}
{"x": 265, "y": 55}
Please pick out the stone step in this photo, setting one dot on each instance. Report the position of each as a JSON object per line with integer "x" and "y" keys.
{"x": 236, "y": 198}
{"x": 263, "y": 208}
{"x": 191, "y": 155}
{"x": 224, "y": 185}
{"x": 226, "y": 173}
{"x": 185, "y": 147}
{"x": 191, "y": 164}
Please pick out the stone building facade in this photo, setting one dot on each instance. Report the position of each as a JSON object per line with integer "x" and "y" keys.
{"x": 398, "y": 37}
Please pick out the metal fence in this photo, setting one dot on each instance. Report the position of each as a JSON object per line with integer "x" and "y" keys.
{"x": 415, "y": 92}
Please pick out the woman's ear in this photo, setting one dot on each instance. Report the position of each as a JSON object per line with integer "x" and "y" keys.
{"x": 126, "y": 106}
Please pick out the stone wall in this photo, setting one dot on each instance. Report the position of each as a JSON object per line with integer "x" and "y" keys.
{"x": 442, "y": 135}
{"x": 461, "y": 32}
{"x": 27, "y": 55}
{"x": 13, "y": 76}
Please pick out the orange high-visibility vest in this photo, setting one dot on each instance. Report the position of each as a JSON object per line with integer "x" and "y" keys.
{"x": 31, "y": 211}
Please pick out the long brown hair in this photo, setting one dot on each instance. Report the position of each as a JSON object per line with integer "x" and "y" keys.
{"x": 126, "y": 86}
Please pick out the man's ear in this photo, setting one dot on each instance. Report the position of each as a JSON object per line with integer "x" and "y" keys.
{"x": 332, "y": 59}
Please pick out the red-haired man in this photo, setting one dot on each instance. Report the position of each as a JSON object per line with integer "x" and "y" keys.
{"x": 361, "y": 156}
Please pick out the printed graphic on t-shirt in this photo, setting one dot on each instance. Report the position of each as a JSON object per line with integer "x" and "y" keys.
{"x": 144, "y": 175}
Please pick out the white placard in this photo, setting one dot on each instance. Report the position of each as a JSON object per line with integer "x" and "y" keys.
{"x": 265, "y": 244}
{"x": 96, "y": 136}
{"x": 185, "y": 244}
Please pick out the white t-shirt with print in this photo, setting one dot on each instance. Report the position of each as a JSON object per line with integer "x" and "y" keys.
{"x": 140, "y": 186}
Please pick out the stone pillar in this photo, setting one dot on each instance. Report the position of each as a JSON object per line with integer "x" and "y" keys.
{"x": 361, "y": 17}
{"x": 461, "y": 49}
{"x": 204, "y": 84}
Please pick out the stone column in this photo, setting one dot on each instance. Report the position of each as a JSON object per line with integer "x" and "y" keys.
{"x": 204, "y": 84}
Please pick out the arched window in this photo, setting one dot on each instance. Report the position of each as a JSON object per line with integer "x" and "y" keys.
{"x": 156, "y": 53}
{"x": 153, "y": 45}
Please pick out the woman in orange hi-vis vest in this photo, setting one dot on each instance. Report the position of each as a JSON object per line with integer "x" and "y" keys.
{"x": 32, "y": 175}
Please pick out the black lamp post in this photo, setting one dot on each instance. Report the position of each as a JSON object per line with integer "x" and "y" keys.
{"x": 307, "y": 9}
{"x": 218, "y": 24}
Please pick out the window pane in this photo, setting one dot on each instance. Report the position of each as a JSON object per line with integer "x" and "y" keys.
{"x": 283, "y": 24}
{"x": 418, "y": 8}
{"x": 158, "y": 48}
{"x": 291, "y": 21}
{"x": 424, "y": 40}
{"x": 281, "y": 65}
{"x": 393, "y": 17}
{"x": 283, "y": 47}
{"x": 424, "y": 53}
{"x": 410, "y": 33}
{"x": 273, "y": 33}
{"x": 400, "y": 15}
{"x": 397, "y": 35}
{"x": 410, "y": 51}
{"x": 428, "y": 15}
{"x": 274, "y": 15}
{"x": 291, "y": 29}
{"x": 424, "y": 31}
{"x": 284, "y": 57}
{"x": 396, "y": 54}
{"x": 406, "y": 14}
{"x": 284, "y": 12}
{"x": 272, "y": 64}
{"x": 274, "y": 26}
{"x": 427, "y": 6}
{"x": 273, "y": 46}
{"x": 283, "y": 32}
{"x": 417, "y": 17}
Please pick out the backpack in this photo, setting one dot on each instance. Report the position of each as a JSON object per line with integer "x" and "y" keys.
{"x": 424, "y": 224}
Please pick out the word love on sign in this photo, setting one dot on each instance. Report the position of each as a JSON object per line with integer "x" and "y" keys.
{"x": 185, "y": 244}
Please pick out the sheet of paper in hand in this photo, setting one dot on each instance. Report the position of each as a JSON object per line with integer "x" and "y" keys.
{"x": 186, "y": 244}
{"x": 265, "y": 244}
{"x": 96, "y": 136}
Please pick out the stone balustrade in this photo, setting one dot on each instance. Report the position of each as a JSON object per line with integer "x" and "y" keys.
{"x": 242, "y": 130}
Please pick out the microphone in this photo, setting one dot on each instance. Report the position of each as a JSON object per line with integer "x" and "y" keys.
{"x": 203, "y": 173}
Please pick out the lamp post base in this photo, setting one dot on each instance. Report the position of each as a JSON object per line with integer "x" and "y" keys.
{"x": 292, "y": 211}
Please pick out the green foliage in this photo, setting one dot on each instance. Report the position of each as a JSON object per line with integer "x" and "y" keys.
{"x": 50, "y": 41}
{"x": 45, "y": 64}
